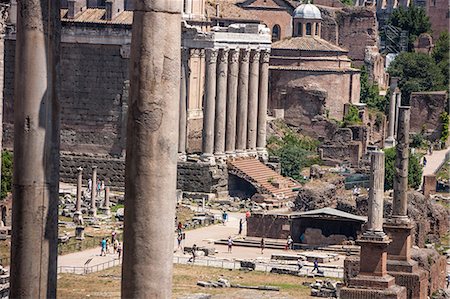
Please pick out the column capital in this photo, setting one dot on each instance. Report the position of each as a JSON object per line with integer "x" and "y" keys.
{"x": 245, "y": 55}
{"x": 234, "y": 55}
{"x": 254, "y": 56}
{"x": 223, "y": 55}
{"x": 265, "y": 56}
{"x": 196, "y": 52}
{"x": 211, "y": 55}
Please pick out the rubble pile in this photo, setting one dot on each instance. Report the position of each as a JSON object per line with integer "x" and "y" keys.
{"x": 324, "y": 289}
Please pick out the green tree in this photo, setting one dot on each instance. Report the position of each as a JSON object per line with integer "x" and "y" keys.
{"x": 352, "y": 116}
{"x": 418, "y": 72}
{"x": 7, "y": 171}
{"x": 412, "y": 19}
{"x": 370, "y": 93}
{"x": 414, "y": 170}
{"x": 440, "y": 55}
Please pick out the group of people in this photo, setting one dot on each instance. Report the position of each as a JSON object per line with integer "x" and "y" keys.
{"x": 99, "y": 185}
{"x": 105, "y": 245}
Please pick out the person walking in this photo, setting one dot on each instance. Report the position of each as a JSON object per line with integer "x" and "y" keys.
{"x": 179, "y": 239}
{"x": 224, "y": 217}
{"x": 316, "y": 266}
{"x": 241, "y": 223}
{"x": 230, "y": 244}
{"x": 262, "y": 245}
{"x": 103, "y": 244}
{"x": 119, "y": 250}
{"x": 192, "y": 258}
{"x": 115, "y": 246}
{"x": 424, "y": 161}
{"x": 300, "y": 264}
{"x": 290, "y": 243}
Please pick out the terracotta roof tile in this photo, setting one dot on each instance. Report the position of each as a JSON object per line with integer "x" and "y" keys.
{"x": 96, "y": 15}
{"x": 307, "y": 44}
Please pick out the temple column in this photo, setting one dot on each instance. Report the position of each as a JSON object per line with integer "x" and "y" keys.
{"x": 390, "y": 140}
{"x": 252, "y": 115}
{"x": 34, "y": 237}
{"x": 262, "y": 105}
{"x": 151, "y": 160}
{"x": 233, "y": 73}
{"x": 107, "y": 209}
{"x": 209, "y": 106}
{"x": 93, "y": 210}
{"x": 221, "y": 105}
{"x": 79, "y": 186}
{"x": 183, "y": 105}
{"x": 241, "y": 121}
{"x": 376, "y": 194}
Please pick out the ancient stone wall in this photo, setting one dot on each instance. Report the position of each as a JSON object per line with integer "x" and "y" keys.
{"x": 199, "y": 177}
{"x": 268, "y": 226}
{"x": 92, "y": 95}
{"x": 438, "y": 11}
{"x": 426, "y": 110}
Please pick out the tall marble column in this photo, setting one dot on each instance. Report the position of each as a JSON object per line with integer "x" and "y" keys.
{"x": 221, "y": 104}
{"x": 390, "y": 140}
{"x": 79, "y": 186}
{"x": 262, "y": 105}
{"x": 376, "y": 194}
{"x": 209, "y": 106}
{"x": 233, "y": 73}
{"x": 252, "y": 115}
{"x": 106, "y": 208}
{"x": 93, "y": 210}
{"x": 183, "y": 105}
{"x": 3, "y": 17}
{"x": 400, "y": 203}
{"x": 36, "y": 150}
{"x": 242, "y": 109}
{"x": 151, "y": 160}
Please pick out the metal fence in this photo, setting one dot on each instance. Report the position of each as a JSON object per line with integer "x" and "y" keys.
{"x": 89, "y": 269}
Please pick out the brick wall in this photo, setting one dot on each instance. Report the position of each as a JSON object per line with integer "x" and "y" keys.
{"x": 91, "y": 95}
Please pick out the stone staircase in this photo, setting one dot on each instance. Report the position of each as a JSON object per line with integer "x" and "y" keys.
{"x": 264, "y": 179}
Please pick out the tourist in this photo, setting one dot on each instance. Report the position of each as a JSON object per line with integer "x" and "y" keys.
{"x": 119, "y": 250}
{"x": 103, "y": 245}
{"x": 193, "y": 250}
{"x": 424, "y": 161}
{"x": 179, "y": 239}
{"x": 240, "y": 226}
{"x": 262, "y": 245}
{"x": 230, "y": 244}
{"x": 290, "y": 243}
{"x": 89, "y": 185}
{"x": 179, "y": 227}
{"x": 115, "y": 245}
{"x": 102, "y": 185}
{"x": 113, "y": 236}
{"x": 247, "y": 215}
{"x": 98, "y": 186}
{"x": 108, "y": 247}
{"x": 300, "y": 263}
{"x": 316, "y": 266}
{"x": 448, "y": 280}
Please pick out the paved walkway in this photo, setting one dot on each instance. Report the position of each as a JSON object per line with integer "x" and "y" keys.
{"x": 435, "y": 161}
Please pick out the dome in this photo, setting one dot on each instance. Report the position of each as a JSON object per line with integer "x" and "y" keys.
{"x": 307, "y": 11}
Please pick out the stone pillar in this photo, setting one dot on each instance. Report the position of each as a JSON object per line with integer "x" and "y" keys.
{"x": 376, "y": 194}
{"x": 390, "y": 140}
{"x": 36, "y": 151}
{"x": 233, "y": 73}
{"x": 3, "y": 18}
{"x": 241, "y": 121}
{"x": 262, "y": 105}
{"x": 221, "y": 105}
{"x": 398, "y": 102}
{"x": 93, "y": 210}
{"x": 209, "y": 106}
{"x": 183, "y": 105}
{"x": 252, "y": 115}
{"x": 151, "y": 160}
{"x": 107, "y": 209}
{"x": 79, "y": 186}
{"x": 400, "y": 203}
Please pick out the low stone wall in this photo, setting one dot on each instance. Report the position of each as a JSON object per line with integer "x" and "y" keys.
{"x": 201, "y": 177}
{"x": 268, "y": 226}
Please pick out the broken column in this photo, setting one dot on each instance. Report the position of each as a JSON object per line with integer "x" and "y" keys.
{"x": 93, "y": 210}
{"x": 373, "y": 280}
{"x": 399, "y": 226}
{"x": 151, "y": 160}
{"x": 36, "y": 151}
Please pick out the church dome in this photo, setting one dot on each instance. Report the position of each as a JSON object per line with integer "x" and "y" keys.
{"x": 307, "y": 11}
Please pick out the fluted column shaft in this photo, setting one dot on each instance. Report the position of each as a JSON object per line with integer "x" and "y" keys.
{"x": 263, "y": 99}
{"x": 232, "y": 84}
{"x": 210, "y": 103}
{"x": 221, "y": 103}
{"x": 241, "y": 122}
{"x": 183, "y": 102}
{"x": 79, "y": 186}
{"x": 252, "y": 116}
{"x": 400, "y": 203}
{"x": 376, "y": 192}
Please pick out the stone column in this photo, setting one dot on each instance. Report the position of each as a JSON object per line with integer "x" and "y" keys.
{"x": 400, "y": 203}
{"x": 107, "y": 209}
{"x": 151, "y": 160}
{"x": 376, "y": 192}
{"x": 79, "y": 186}
{"x": 398, "y": 103}
{"x": 262, "y": 105}
{"x": 209, "y": 106}
{"x": 390, "y": 140}
{"x": 93, "y": 210}
{"x": 252, "y": 115}
{"x": 183, "y": 105}
{"x": 3, "y": 18}
{"x": 233, "y": 73}
{"x": 241, "y": 121}
{"x": 221, "y": 105}
{"x": 36, "y": 151}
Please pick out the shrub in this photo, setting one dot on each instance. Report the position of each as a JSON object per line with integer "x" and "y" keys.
{"x": 414, "y": 169}
{"x": 7, "y": 171}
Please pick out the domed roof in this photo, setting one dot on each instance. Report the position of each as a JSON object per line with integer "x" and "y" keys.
{"x": 307, "y": 11}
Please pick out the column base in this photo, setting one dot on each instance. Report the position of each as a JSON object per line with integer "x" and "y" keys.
{"x": 241, "y": 153}
{"x": 221, "y": 158}
{"x": 182, "y": 157}
{"x": 389, "y": 142}
{"x": 363, "y": 292}
{"x": 263, "y": 154}
{"x": 230, "y": 154}
{"x": 252, "y": 153}
{"x": 399, "y": 229}
{"x": 93, "y": 212}
{"x": 207, "y": 158}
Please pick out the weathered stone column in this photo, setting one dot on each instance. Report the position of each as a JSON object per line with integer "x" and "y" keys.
{"x": 398, "y": 103}
{"x": 221, "y": 105}
{"x": 376, "y": 192}
{"x": 209, "y": 106}
{"x": 232, "y": 82}
{"x": 262, "y": 105}
{"x": 252, "y": 116}
{"x": 107, "y": 209}
{"x": 390, "y": 140}
{"x": 93, "y": 210}
{"x": 241, "y": 121}
{"x": 183, "y": 105}
{"x": 400, "y": 203}
{"x": 36, "y": 151}
{"x": 3, "y": 18}
{"x": 79, "y": 187}
{"x": 151, "y": 160}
